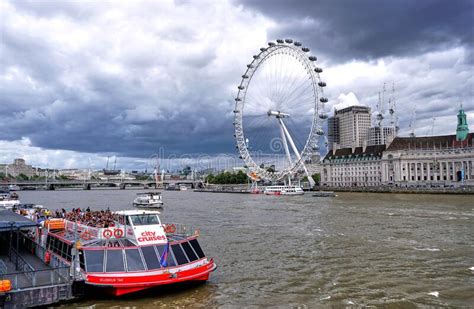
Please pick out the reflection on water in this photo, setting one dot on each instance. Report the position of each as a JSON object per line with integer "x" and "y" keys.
{"x": 356, "y": 249}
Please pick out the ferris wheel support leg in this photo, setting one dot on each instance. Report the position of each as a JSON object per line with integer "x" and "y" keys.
{"x": 285, "y": 145}
{"x": 295, "y": 150}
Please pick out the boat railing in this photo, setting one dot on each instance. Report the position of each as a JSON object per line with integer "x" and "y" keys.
{"x": 178, "y": 229}
{"x": 86, "y": 232}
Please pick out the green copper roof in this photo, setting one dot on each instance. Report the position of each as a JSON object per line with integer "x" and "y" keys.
{"x": 462, "y": 129}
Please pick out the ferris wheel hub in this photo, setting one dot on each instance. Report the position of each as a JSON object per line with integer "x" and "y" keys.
{"x": 278, "y": 114}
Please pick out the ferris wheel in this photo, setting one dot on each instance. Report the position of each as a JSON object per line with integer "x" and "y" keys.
{"x": 279, "y": 111}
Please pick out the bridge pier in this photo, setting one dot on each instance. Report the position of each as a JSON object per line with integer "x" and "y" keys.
{"x": 87, "y": 186}
{"x": 122, "y": 186}
{"x": 51, "y": 187}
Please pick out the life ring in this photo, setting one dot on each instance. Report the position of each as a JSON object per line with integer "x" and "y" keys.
{"x": 86, "y": 235}
{"x": 118, "y": 233}
{"x": 107, "y": 233}
{"x": 170, "y": 228}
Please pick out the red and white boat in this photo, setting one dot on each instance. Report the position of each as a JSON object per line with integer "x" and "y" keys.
{"x": 134, "y": 253}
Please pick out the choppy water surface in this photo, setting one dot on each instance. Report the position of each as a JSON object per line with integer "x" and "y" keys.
{"x": 356, "y": 249}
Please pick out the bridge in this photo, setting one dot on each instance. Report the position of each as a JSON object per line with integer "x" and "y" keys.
{"x": 52, "y": 184}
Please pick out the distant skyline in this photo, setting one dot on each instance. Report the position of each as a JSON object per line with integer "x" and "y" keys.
{"x": 81, "y": 81}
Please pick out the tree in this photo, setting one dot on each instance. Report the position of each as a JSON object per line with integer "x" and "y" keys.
{"x": 316, "y": 178}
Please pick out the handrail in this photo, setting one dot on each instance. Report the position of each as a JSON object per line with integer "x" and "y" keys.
{"x": 3, "y": 268}
{"x": 178, "y": 229}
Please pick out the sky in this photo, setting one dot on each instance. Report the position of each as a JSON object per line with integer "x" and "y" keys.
{"x": 81, "y": 81}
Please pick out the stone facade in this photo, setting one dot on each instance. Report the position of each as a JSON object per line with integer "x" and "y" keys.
{"x": 429, "y": 161}
{"x": 353, "y": 167}
{"x": 18, "y": 167}
{"x": 407, "y": 161}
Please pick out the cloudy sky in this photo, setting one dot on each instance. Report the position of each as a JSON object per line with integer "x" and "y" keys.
{"x": 80, "y": 81}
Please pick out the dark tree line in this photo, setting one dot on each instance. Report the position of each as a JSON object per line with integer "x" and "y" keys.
{"x": 228, "y": 178}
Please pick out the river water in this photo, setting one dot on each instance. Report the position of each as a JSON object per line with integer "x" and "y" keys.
{"x": 357, "y": 249}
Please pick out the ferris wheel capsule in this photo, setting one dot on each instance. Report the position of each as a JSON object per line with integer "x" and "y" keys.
{"x": 280, "y": 41}
{"x": 297, "y": 43}
{"x": 305, "y": 49}
{"x": 323, "y": 115}
{"x": 312, "y": 58}
{"x": 322, "y": 84}
{"x": 320, "y": 132}
{"x": 323, "y": 100}
{"x": 250, "y": 66}
{"x": 271, "y": 44}
{"x": 289, "y": 41}
{"x": 318, "y": 70}
{"x": 263, "y": 49}
{"x": 241, "y": 87}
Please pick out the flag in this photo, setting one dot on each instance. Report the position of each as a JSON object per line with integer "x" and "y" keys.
{"x": 164, "y": 256}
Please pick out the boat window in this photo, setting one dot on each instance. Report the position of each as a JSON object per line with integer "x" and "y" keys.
{"x": 179, "y": 254}
{"x": 114, "y": 261}
{"x": 189, "y": 252}
{"x": 134, "y": 260}
{"x": 81, "y": 259}
{"x": 197, "y": 248}
{"x": 94, "y": 260}
{"x": 145, "y": 219}
{"x": 170, "y": 260}
{"x": 151, "y": 258}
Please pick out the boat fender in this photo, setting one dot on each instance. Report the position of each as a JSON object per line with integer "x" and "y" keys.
{"x": 47, "y": 257}
{"x": 107, "y": 233}
{"x": 86, "y": 235}
{"x": 118, "y": 233}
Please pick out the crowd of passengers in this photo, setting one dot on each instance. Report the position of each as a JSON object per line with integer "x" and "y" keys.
{"x": 98, "y": 218}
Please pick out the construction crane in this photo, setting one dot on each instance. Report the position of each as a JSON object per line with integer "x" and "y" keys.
{"x": 433, "y": 126}
{"x": 412, "y": 122}
{"x": 392, "y": 107}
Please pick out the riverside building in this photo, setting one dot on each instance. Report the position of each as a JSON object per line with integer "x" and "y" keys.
{"x": 446, "y": 160}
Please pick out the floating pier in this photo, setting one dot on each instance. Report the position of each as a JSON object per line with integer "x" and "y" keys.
{"x": 26, "y": 280}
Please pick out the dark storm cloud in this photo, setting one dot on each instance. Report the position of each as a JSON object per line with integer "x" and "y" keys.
{"x": 371, "y": 29}
{"x": 131, "y": 78}
{"x": 70, "y": 82}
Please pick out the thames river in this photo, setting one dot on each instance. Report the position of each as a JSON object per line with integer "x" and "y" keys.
{"x": 356, "y": 249}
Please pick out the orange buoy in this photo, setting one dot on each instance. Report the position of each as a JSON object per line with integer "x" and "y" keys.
{"x": 5, "y": 286}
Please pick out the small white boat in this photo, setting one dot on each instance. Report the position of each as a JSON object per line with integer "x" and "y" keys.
{"x": 283, "y": 190}
{"x": 9, "y": 200}
{"x": 183, "y": 188}
{"x": 148, "y": 200}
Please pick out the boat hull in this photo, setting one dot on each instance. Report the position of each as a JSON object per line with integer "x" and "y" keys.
{"x": 125, "y": 284}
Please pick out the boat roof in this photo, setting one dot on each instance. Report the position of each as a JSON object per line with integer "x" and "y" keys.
{"x": 10, "y": 221}
{"x": 136, "y": 212}
{"x": 146, "y": 193}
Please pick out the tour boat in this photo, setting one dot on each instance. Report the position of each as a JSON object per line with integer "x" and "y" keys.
{"x": 134, "y": 253}
{"x": 148, "y": 200}
{"x": 183, "y": 188}
{"x": 283, "y": 190}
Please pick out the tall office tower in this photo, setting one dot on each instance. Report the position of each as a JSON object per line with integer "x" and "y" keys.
{"x": 354, "y": 124}
{"x": 333, "y": 132}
